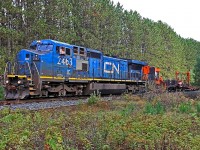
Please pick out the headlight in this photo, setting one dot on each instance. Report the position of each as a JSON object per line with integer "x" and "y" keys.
{"x": 19, "y": 82}
{"x": 7, "y": 81}
{"x": 36, "y": 57}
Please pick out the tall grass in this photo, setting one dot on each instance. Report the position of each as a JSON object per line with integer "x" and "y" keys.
{"x": 198, "y": 107}
{"x": 185, "y": 107}
{"x": 1, "y": 93}
{"x": 127, "y": 110}
{"x": 158, "y": 108}
{"x": 94, "y": 98}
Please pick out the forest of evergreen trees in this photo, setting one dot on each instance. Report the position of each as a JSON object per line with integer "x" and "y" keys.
{"x": 97, "y": 24}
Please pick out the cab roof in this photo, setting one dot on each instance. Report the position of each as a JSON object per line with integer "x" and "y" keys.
{"x": 137, "y": 62}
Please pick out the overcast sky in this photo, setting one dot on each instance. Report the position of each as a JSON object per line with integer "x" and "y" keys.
{"x": 182, "y": 15}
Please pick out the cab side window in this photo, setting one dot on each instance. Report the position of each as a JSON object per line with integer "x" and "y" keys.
{"x": 75, "y": 50}
{"x": 68, "y": 51}
{"x": 82, "y": 51}
{"x": 63, "y": 51}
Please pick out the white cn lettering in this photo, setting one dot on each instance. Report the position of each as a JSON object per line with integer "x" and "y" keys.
{"x": 113, "y": 67}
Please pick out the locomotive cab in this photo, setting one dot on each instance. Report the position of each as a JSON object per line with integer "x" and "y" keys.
{"x": 136, "y": 69}
{"x": 22, "y": 77}
{"x": 135, "y": 74}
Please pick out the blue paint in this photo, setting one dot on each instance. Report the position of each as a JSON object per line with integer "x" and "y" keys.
{"x": 77, "y": 62}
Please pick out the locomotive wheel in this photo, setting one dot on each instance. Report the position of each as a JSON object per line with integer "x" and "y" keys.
{"x": 62, "y": 93}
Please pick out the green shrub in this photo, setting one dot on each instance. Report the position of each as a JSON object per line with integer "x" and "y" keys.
{"x": 198, "y": 107}
{"x": 127, "y": 110}
{"x": 127, "y": 96}
{"x": 149, "y": 109}
{"x": 185, "y": 107}
{"x": 1, "y": 93}
{"x": 90, "y": 128}
{"x": 106, "y": 147}
{"x": 93, "y": 99}
{"x": 158, "y": 108}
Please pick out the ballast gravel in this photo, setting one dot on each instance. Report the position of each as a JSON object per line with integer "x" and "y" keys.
{"x": 43, "y": 105}
{"x": 52, "y": 104}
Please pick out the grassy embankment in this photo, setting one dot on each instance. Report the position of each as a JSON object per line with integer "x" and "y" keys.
{"x": 167, "y": 121}
{"x": 1, "y": 93}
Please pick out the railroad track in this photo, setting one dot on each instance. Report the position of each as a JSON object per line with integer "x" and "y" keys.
{"x": 53, "y": 102}
{"x": 5, "y": 102}
{"x": 39, "y": 100}
{"x": 47, "y": 103}
{"x": 192, "y": 94}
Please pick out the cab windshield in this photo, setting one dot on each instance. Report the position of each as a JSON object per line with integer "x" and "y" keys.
{"x": 42, "y": 47}
{"x": 46, "y": 47}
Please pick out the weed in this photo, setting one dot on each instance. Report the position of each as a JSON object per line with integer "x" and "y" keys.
{"x": 127, "y": 96}
{"x": 106, "y": 147}
{"x": 105, "y": 128}
{"x": 198, "y": 108}
{"x": 158, "y": 108}
{"x": 149, "y": 109}
{"x": 185, "y": 107}
{"x": 1, "y": 93}
{"x": 127, "y": 110}
{"x": 80, "y": 102}
{"x": 93, "y": 99}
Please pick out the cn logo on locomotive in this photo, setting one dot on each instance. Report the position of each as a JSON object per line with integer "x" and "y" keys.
{"x": 110, "y": 67}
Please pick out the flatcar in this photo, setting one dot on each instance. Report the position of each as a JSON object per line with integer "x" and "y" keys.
{"x": 54, "y": 68}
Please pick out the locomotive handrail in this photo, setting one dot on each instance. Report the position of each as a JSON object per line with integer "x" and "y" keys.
{"x": 5, "y": 72}
{"x": 36, "y": 68}
{"x": 30, "y": 72}
{"x": 37, "y": 73}
{"x": 15, "y": 70}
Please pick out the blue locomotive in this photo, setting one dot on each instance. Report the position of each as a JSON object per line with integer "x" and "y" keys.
{"x": 55, "y": 68}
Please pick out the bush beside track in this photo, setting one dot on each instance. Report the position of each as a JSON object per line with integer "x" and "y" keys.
{"x": 1, "y": 93}
{"x": 155, "y": 121}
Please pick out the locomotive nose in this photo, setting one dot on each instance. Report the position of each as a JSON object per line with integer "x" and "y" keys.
{"x": 28, "y": 56}
{"x": 23, "y": 56}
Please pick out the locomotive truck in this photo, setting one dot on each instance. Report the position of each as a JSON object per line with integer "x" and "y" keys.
{"x": 54, "y": 68}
